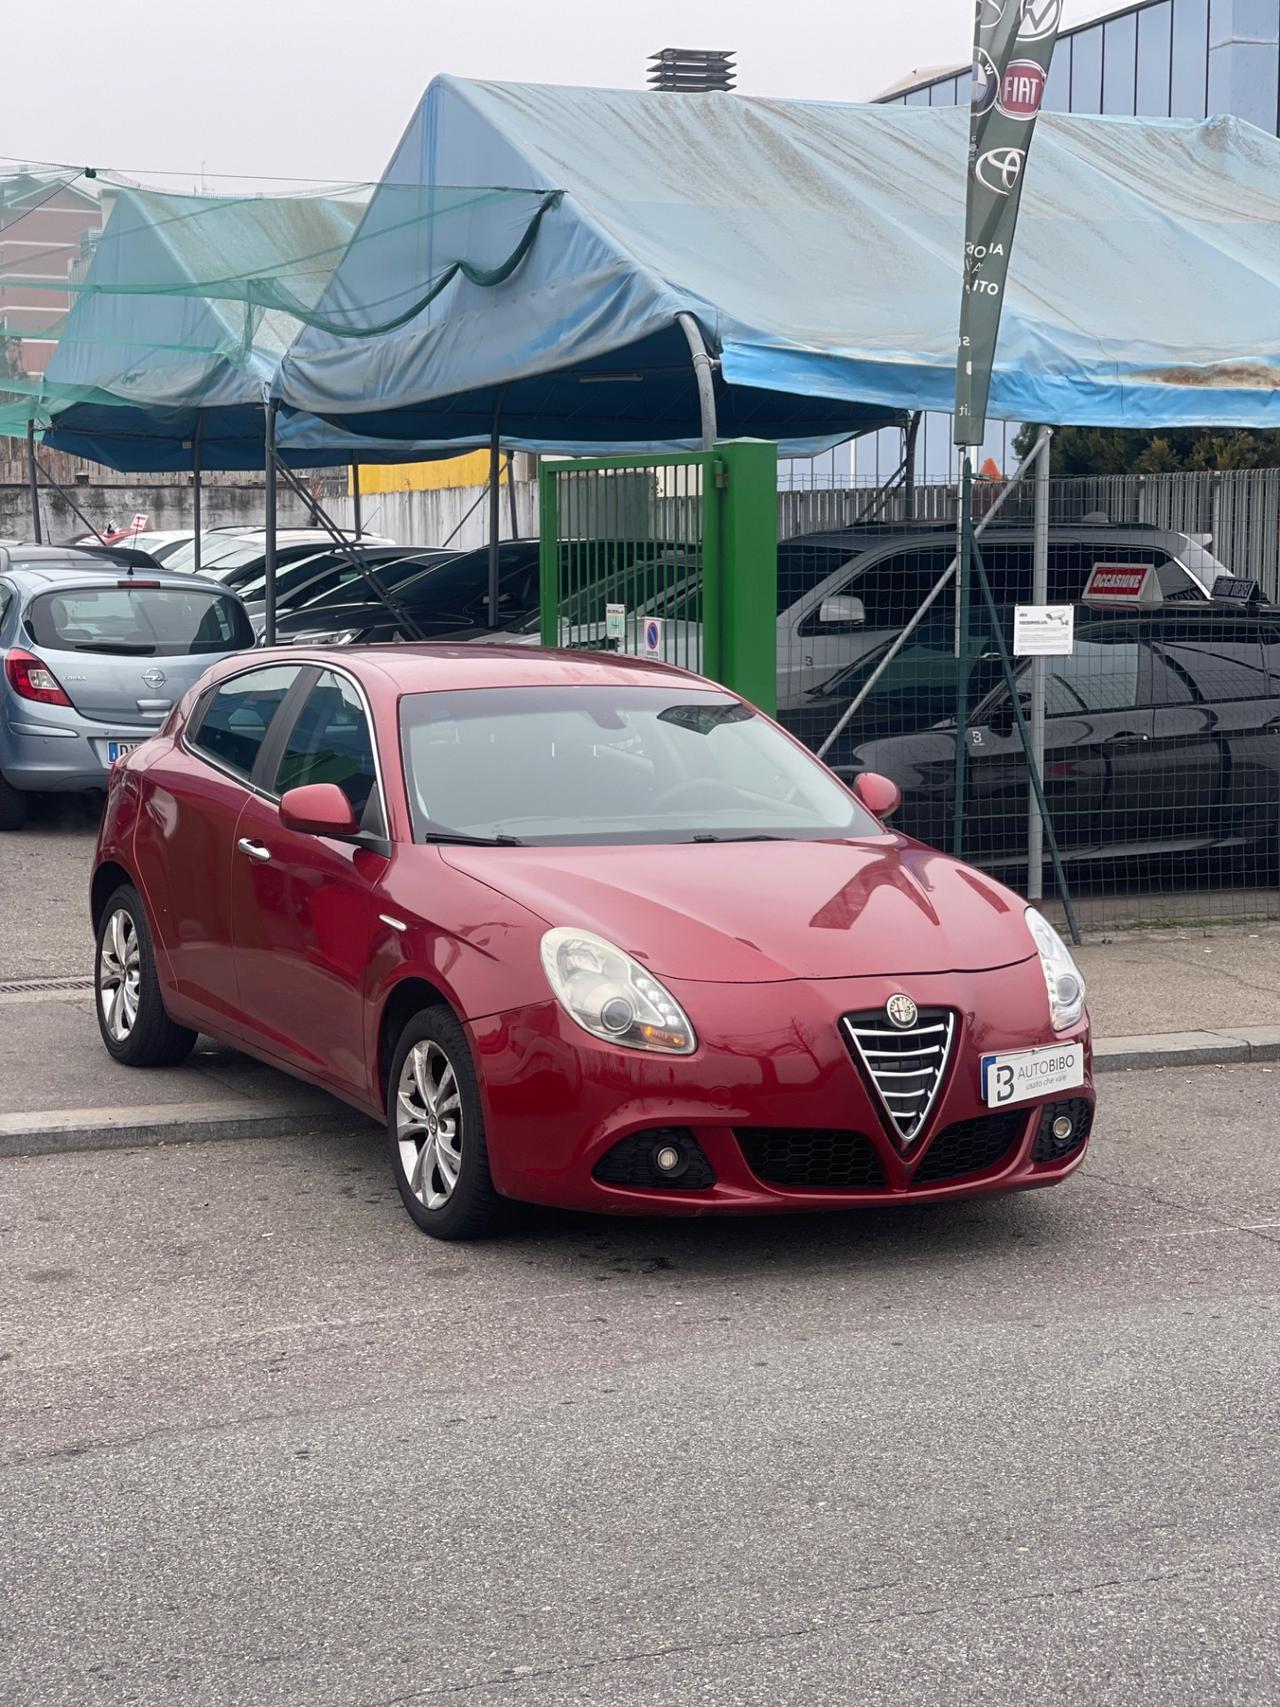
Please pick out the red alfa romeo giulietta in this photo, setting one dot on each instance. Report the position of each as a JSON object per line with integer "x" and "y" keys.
{"x": 583, "y": 930}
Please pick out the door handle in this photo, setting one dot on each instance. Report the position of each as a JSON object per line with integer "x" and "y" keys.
{"x": 1126, "y": 741}
{"x": 255, "y": 850}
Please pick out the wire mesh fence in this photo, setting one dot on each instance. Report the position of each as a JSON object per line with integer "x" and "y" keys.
{"x": 1162, "y": 726}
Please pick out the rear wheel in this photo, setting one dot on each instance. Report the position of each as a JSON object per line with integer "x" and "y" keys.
{"x": 435, "y": 1132}
{"x": 131, "y": 1016}
{"x": 13, "y": 806}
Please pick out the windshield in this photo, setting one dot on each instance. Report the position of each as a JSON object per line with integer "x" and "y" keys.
{"x": 586, "y": 765}
{"x": 916, "y": 689}
{"x": 214, "y": 548}
{"x": 155, "y": 622}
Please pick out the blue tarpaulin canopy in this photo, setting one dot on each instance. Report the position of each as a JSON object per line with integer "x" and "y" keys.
{"x": 819, "y": 247}
{"x": 169, "y": 346}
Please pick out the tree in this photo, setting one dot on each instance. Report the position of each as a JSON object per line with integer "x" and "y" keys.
{"x": 1121, "y": 450}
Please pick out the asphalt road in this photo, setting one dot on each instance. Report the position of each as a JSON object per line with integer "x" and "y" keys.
{"x": 261, "y": 1442}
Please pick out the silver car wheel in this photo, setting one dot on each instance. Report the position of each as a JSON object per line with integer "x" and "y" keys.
{"x": 429, "y": 1124}
{"x": 119, "y": 975}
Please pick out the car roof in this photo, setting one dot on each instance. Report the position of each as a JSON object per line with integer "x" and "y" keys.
{"x": 423, "y": 667}
{"x": 87, "y": 575}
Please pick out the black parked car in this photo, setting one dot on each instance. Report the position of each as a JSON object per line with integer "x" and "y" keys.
{"x": 1162, "y": 736}
{"x": 449, "y": 596}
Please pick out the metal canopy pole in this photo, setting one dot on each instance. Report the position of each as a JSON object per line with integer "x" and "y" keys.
{"x": 512, "y": 510}
{"x": 703, "y": 373}
{"x": 68, "y": 500}
{"x": 33, "y": 483}
{"x": 355, "y": 496}
{"x": 909, "y": 437}
{"x": 269, "y": 593}
{"x": 195, "y": 487}
{"x": 1039, "y": 673}
{"x": 495, "y": 503}
{"x": 964, "y": 559}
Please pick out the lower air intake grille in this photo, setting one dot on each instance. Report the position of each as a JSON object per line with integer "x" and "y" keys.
{"x": 807, "y": 1156}
{"x": 1050, "y": 1148}
{"x": 970, "y": 1146}
{"x": 634, "y": 1161}
{"x": 904, "y": 1064}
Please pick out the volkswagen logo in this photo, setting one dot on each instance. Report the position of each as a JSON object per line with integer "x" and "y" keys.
{"x": 1040, "y": 18}
{"x": 999, "y": 169}
{"x": 154, "y": 678}
{"x": 902, "y": 1011}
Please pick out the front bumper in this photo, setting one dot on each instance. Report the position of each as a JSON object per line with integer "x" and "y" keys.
{"x": 771, "y": 1059}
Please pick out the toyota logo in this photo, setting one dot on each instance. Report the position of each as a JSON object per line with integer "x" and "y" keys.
{"x": 999, "y": 169}
{"x": 154, "y": 678}
{"x": 988, "y": 13}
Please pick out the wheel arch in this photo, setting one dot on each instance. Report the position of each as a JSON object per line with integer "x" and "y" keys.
{"x": 405, "y": 998}
{"x": 109, "y": 876}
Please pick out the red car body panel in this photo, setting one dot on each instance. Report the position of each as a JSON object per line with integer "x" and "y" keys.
{"x": 765, "y": 945}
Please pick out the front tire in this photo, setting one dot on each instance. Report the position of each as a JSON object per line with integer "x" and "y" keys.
{"x": 435, "y": 1132}
{"x": 131, "y": 1016}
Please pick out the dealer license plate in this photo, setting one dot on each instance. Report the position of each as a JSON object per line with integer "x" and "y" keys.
{"x": 1031, "y": 1073}
{"x": 118, "y": 749}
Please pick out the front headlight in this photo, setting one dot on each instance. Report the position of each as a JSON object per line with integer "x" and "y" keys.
{"x": 610, "y": 995}
{"x": 1062, "y": 976}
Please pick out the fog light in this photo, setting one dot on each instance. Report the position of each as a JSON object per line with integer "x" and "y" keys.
{"x": 1062, "y": 1127}
{"x": 667, "y": 1159}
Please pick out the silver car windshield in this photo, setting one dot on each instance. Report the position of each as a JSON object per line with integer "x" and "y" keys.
{"x": 161, "y": 622}
{"x": 567, "y": 764}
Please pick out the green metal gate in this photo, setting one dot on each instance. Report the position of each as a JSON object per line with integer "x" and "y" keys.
{"x": 671, "y": 557}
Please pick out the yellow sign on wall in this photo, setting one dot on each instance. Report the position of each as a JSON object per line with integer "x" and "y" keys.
{"x": 469, "y": 469}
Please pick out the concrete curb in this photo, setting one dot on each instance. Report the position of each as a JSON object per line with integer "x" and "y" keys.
{"x": 69, "y": 1129}
{"x": 72, "y": 1129}
{"x": 1239, "y": 1044}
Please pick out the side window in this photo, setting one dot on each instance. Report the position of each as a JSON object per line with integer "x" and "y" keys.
{"x": 6, "y": 600}
{"x": 331, "y": 742}
{"x": 1220, "y": 663}
{"x": 1100, "y": 675}
{"x": 891, "y": 591}
{"x": 232, "y": 724}
{"x": 1271, "y": 652}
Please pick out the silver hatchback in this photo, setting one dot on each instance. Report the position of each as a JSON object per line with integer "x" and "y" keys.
{"x": 95, "y": 656}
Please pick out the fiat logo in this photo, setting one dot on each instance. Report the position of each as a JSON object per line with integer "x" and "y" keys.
{"x": 154, "y": 678}
{"x": 902, "y": 1010}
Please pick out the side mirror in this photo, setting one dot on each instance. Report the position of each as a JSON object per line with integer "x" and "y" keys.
{"x": 879, "y": 794}
{"x": 318, "y": 809}
{"x": 842, "y": 608}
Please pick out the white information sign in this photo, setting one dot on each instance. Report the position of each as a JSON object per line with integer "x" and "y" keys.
{"x": 140, "y": 521}
{"x": 615, "y": 621}
{"x": 1044, "y": 631}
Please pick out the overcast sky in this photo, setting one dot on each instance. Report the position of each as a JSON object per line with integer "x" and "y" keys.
{"x": 297, "y": 89}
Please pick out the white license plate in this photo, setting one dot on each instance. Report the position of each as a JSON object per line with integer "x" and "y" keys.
{"x": 1031, "y": 1073}
{"x": 118, "y": 749}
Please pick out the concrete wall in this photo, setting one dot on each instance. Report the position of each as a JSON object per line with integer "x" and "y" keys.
{"x": 167, "y": 504}
{"x": 450, "y": 515}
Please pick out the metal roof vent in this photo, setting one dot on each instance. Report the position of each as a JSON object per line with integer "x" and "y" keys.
{"x": 691, "y": 70}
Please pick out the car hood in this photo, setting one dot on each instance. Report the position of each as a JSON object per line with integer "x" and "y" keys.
{"x": 759, "y": 912}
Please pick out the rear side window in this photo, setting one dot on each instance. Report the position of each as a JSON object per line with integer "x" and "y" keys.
{"x": 158, "y": 622}
{"x": 330, "y": 742}
{"x": 1220, "y": 662}
{"x": 232, "y": 721}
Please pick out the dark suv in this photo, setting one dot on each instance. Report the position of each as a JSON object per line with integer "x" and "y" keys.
{"x": 1162, "y": 736}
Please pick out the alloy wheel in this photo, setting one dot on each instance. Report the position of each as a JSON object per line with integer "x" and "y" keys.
{"x": 429, "y": 1124}
{"x": 120, "y": 975}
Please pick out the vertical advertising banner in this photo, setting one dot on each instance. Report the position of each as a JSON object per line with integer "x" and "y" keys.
{"x": 1013, "y": 44}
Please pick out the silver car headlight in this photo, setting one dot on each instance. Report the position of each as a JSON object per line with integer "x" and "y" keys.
{"x": 610, "y": 995}
{"x": 1062, "y": 977}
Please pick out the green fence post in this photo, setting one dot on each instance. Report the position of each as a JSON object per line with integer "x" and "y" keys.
{"x": 548, "y": 555}
{"x": 744, "y": 581}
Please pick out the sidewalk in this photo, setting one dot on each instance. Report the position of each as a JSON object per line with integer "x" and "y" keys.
{"x": 1158, "y": 999}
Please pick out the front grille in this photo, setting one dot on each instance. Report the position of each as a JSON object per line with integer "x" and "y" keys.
{"x": 904, "y": 1065}
{"x": 1050, "y": 1148}
{"x": 970, "y": 1146}
{"x": 633, "y": 1161}
{"x": 808, "y": 1156}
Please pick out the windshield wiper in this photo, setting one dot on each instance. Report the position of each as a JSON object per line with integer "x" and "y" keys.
{"x": 755, "y": 838}
{"x": 473, "y": 841}
{"x": 115, "y": 647}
